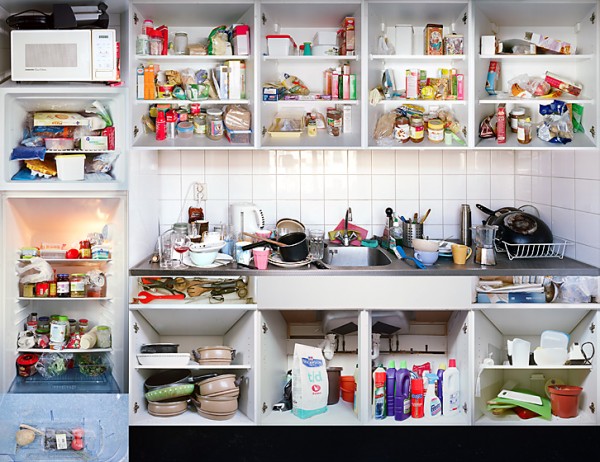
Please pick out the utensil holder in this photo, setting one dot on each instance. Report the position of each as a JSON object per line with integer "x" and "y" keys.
{"x": 411, "y": 231}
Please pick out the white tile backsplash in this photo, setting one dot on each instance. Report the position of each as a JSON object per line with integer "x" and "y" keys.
{"x": 317, "y": 187}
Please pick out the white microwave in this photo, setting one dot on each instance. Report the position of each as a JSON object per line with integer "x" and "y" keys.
{"x": 79, "y": 55}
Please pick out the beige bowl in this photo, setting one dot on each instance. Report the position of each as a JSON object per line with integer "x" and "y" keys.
{"x": 425, "y": 245}
{"x": 218, "y": 405}
{"x": 216, "y": 416}
{"x": 234, "y": 393}
{"x": 215, "y": 355}
{"x": 218, "y": 384}
{"x": 168, "y": 408}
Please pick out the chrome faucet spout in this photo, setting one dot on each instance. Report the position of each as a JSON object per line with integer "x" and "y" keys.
{"x": 346, "y": 237}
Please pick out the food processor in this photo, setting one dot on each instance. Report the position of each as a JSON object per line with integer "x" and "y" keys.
{"x": 484, "y": 242}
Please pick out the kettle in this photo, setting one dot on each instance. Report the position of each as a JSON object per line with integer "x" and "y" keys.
{"x": 246, "y": 217}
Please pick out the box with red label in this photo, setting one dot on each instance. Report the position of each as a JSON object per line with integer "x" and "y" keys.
{"x": 563, "y": 84}
{"x": 501, "y": 124}
{"x": 550, "y": 44}
{"x": 347, "y": 45}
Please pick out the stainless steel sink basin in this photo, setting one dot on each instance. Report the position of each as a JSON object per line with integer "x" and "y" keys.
{"x": 355, "y": 256}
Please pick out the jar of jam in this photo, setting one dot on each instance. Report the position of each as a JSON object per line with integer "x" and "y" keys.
{"x": 524, "y": 131}
{"x": 42, "y": 289}
{"x": 402, "y": 129}
{"x": 514, "y": 116}
{"x": 435, "y": 130}
{"x": 77, "y": 281}
{"x": 85, "y": 249}
{"x": 83, "y": 326}
{"x": 417, "y": 129}
{"x": 32, "y": 326}
{"x": 63, "y": 286}
{"x": 200, "y": 124}
{"x": 72, "y": 327}
{"x": 103, "y": 337}
{"x": 214, "y": 124}
{"x": 43, "y": 326}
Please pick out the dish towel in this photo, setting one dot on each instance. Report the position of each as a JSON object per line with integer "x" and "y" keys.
{"x": 351, "y": 227}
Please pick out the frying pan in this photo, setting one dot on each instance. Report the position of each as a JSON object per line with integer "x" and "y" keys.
{"x": 493, "y": 214}
{"x": 518, "y": 227}
{"x": 172, "y": 384}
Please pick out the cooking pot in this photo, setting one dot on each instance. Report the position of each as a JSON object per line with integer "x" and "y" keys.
{"x": 219, "y": 385}
{"x": 213, "y": 415}
{"x": 218, "y": 404}
{"x": 215, "y": 355}
{"x": 172, "y": 384}
{"x": 296, "y": 248}
{"x": 518, "y": 227}
{"x": 159, "y": 348}
{"x": 168, "y": 408}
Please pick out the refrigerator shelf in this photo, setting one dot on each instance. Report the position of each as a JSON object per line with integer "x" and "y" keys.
{"x": 66, "y": 350}
{"x": 61, "y": 299}
{"x": 71, "y": 382}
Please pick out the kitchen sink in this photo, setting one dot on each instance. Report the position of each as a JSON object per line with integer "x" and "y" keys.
{"x": 355, "y": 256}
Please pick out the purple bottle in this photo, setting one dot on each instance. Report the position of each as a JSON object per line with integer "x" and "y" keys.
{"x": 402, "y": 395}
{"x": 390, "y": 387}
{"x": 440, "y": 383}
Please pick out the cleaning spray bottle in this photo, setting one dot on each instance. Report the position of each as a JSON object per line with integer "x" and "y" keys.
{"x": 440, "y": 382}
{"x": 402, "y": 394}
{"x": 451, "y": 389}
{"x": 379, "y": 378}
{"x": 433, "y": 407}
{"x": 390, "y": 387}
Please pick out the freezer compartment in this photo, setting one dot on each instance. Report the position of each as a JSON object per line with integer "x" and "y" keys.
{"x": 281, "y": 330}
{"x": 192, "y": 327}
{"x": 107, "y": 167}
{"x": 495, "y": 327}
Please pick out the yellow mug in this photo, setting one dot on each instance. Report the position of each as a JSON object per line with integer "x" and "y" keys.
{"x": 460, "y": 253}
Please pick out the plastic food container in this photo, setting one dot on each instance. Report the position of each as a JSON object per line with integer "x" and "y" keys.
{"x": 185, "y": 130}
{"x": 59, "y": 144}
{"x": 70, "y": 167}
{"x": 238, "y": 136}
{"x": 281, "y": 45}
{"x": 93, "y": 364}
{"x": 164, "y": 359}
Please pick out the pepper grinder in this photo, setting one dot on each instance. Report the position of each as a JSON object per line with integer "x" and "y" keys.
{"x": 465, "y": 225}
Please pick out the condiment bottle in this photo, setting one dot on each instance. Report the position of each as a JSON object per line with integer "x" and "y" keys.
{"x": 417, "y": 129}
{"x": 161, "y": 126}
{"x": 402, "y": 129}
{"x": 85, "y": 249}
{"x": 63, "y": 286}
{"x": 524, "y": 131}
{"x": 312, "y": 125}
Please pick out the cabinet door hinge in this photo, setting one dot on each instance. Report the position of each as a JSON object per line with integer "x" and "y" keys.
{"x": 136, "y": 328}
{"x": 593, "y": 131}
{"x": 264, "y": 19}
{"x": 136, "y": 407}
{"x": 136, "y": 130}
{"x": 264, "y": 131}
{"x": 264, "y": 408}
{"x": 593, "y": 408}
{"x": 592, "y": 327}
{"x": 464, "y": 130}
{"x": 593, "y": 18}
{"x": 135, "y": 18}
{"x": 265, "y": 328}
{"x": 465, "y": 407}
{"x": 464, "y": 19}
{"x": 464, "y": 328}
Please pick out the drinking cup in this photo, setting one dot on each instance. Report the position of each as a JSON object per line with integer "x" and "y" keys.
{"x": 460, "y": 253}
{"x": 261, "y": 257}
{"x": 316, "y": 243}
{"x": 427, "y": 258}
{"x": 242, "y": 256}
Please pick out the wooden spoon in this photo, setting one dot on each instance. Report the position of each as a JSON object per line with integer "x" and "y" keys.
{"x": 270, "y": 241}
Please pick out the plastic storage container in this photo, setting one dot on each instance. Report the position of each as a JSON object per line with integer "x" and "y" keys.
{"x": 70, "y": 167}
{"x": 238, "y": 136}
{"x": 281, "y": 45}
{"x": 185, "y": 130}
{"x": 59, "y": 144}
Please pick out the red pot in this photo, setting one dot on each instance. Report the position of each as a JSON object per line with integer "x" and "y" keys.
{"x": 26, "y": 364}
{"x": 565, "y": 400}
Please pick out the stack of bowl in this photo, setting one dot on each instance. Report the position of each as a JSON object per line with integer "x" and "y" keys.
{"x": 217, "y": 398}
{"x": 214, "y": 355}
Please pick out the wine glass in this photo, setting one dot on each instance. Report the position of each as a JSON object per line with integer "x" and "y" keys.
{"x": 181, "y": 244}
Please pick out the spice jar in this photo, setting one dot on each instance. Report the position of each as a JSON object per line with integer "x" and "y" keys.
{"x": 402, "y": 129}
{"x": 214, "y": 124}
{"x": 103, "y": 337}
{"x": 83, "y": 326}
{"x": 181, "y": 43}
{"x": 417, "y": 129}
{"x": 524, "y": 131}
{"x": 514, "y": 116}
{"x": 63, "y": 286}
{"x": 435, "y": 130}
{"x": 77, "y": 281}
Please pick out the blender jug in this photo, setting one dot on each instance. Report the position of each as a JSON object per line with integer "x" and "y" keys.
{"x": 485, "y": 236}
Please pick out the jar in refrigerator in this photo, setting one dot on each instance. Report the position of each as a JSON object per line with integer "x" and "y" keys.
{"x": 181, "y": 43}
{"x": 63, "y": 286}
{"x": 52, "y": 286}
{"x": 402, "y": 129}
{"x": 85, "y": 249}
{"x": 142, "y": 45}
{"x": 514, "y": 116}
{"x": 32, "y": 326}
{"x": 43, "y": 326}
{"x": 417, "y": 129}
{"x": 33, "y": 317}
{"x": 28, "y": 290}
{"x": 214, "y": 124}
{"x": 435, "y": 130}
{"x": 58, "y": 331}
{"x": 72, "y": 327}
{"x": 77, "y": 281}
{"x": 83, "y": 326}
{"x": 42, "y": 289}
{"x": 199, "y": 122}
{"x": 103, "y": 337}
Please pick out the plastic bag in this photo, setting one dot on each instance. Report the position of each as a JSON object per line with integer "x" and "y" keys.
{"x": 102, "y": 163}
{"x": 294, "y": 85}
{"x": 99, "y": 109}
{"x": 525, "y": 86}
{"x": 218, "y": 42}
{"x": 385, "y": 126}
{"x": 557, "y": 126}
{"x": 575, "y": 289}
{"x": 35, "y": 270}
{"x": 53, "y": 364}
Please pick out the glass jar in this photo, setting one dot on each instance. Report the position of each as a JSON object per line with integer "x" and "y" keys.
{"x": 147, "y": 26}
{"x": 32, "y": 326}
{"x": 29, "y": 290}
{"x": 524, "y": 130}
{"x": 42, "y": 289}
{"x": 214, "y": 124}
{"x": 417, "y": 129}
{"x": 83, "y": 326}
{"x": 103, "y": 337}
{"x": 402, "y": 129}
{"x": 52, "y": 286}
{"x": 200, "y": 124}
{"x": 43, "y": 326}
{"x": 58, "y": 331}
{"x": 334, "y": 122}
{"x": 77, "y": 281}
{"x": 73, "y": 327}
{"x": 435, "y": 130}
{"x": 142, "y": 45}
{"x": 514, "y": 116}
{"x": 85, "y": 249}
{"x": 63, "y": 286}
{"x": 181, "y": 43}
{"x": 156, "y": 45}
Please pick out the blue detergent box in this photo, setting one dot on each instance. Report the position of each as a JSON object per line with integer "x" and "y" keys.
{"x": 512, "y": 297}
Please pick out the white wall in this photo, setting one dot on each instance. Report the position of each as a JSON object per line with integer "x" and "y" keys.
{"x": 4, "y": 46}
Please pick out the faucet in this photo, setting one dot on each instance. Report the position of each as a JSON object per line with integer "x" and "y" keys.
{"x": 346, "y": 238}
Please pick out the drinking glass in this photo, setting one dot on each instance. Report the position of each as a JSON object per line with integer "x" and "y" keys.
{"x": 181, "y": 244}
{"x": 317, "y": 243}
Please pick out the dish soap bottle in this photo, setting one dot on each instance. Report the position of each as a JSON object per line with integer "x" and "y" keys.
{"x": 379, "y": 379}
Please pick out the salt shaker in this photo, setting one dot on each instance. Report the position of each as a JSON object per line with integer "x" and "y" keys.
{"x": 465, "y": 224}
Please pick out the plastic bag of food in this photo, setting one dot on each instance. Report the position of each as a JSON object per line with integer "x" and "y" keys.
{"x": 53, "y": 364}
{"x": 525, "y": 86}
{"x": 237, "y": 117}
{"x": 575, "y": 289}
{"x": 35, "y": 270}
{"x": 99, "y": 109}
{"x": 385, "y": 126}
{"x": 293, "y": 85}
{"x": 576, "y": 118}
{"x": 218, "y": 42}
{"x": 102, "y": 163}
{"x": 557, "y": 126}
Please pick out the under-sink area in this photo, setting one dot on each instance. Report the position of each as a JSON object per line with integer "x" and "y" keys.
{"x": 339, "y": 256}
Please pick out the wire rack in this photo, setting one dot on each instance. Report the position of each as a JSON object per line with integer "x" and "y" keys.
{"x": 544, "y": 250}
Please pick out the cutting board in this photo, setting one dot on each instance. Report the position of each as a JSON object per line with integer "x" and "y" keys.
{"x": 544, "y": 410}
{"x": 351, "y": 227}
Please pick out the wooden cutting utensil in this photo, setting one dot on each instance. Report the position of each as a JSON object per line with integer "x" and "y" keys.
{"x": 270, "y": 241}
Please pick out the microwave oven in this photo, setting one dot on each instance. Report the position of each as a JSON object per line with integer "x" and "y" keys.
{"x": 80, "y": 55}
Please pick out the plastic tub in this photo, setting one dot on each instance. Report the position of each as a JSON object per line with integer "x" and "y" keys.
{"x": 70, "y": 167}
{"x": 59, "y": 144}
{"x": 348, "y": 387}
{"x": 564, "y": 400}
{"x": 185, "y": 130}
{"x": 281, "y": 45}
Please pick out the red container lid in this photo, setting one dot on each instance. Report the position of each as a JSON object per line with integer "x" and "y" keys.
{"x": 452, "y": 363}
{"x": 416, "y": 386}
{"x": 27, "y": 359}
{"x": 241, "y": 29}
{"x": 282, "y": 37}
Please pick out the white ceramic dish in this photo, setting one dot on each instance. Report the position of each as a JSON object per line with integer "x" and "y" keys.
{"x": 275, "y": 259}
{"x": 221, "y": 259}
{"x": 425, "y": 245}
{"x": 164, "y": 359}
{"x": 550, "y": 356}
{"x": 203, "y": 254}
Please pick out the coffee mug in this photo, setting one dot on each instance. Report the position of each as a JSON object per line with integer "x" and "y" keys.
{"x": 461, "y": 253}
{"x": 427, "y": 258}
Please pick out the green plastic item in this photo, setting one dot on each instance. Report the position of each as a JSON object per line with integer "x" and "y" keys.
{"x": 392, "y": 364}
{"x": 402, "y": 365}
{"x": 544, "y": 410}
{"x": 174, "y": 391}
{"x": 369, "y": 243}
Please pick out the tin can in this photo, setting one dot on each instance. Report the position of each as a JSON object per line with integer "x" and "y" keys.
{"x": 28, "y": 290}
{"x": 42, "y": 289}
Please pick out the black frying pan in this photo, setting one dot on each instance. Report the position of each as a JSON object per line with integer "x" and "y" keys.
{"x": 518, "y": 227}
{"x": 493, "y": 214}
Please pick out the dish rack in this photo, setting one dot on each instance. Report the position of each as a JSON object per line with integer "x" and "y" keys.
{"x": 543, "y": 250}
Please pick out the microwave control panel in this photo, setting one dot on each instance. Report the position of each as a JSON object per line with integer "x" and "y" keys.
{"x": 104, "y": 59}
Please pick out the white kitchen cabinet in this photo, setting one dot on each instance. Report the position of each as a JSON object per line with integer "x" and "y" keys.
{"x": 197, "y": 19}
{"x": 30, "y": 218}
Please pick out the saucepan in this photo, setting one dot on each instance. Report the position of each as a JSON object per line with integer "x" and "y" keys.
{"x": 172, "y": 384}
{"x": 292, "y": 246}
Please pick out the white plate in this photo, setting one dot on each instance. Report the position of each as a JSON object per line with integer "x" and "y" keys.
{"x": 221, "y": 260}
{"x": 164, "y": 359}
{"x": 276, "y": 260}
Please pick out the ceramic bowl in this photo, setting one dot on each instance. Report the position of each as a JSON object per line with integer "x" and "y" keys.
{"x": 221, "y": 355}
{"x": 425, "y": 245}
{"x": 221, "y": 404}
{"x": 218, "y": 384}
{"x": 205, "y": 254}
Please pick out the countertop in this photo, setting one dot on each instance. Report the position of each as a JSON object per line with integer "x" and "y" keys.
{"x": 443, "y": 267}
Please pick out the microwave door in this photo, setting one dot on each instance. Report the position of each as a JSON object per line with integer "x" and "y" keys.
{"x": 38, "y": 55}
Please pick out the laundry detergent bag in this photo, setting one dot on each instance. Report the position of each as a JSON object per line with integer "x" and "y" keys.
{"x": 310, "y": 386}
